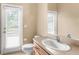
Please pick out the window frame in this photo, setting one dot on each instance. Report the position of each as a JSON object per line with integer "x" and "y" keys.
{"x": 55, "y": 23}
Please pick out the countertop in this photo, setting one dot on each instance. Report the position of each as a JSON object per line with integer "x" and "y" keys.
{"x": 74, "y": 48}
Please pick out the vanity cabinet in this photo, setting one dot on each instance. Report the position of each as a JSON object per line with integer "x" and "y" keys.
{"x": 38, "y": 50}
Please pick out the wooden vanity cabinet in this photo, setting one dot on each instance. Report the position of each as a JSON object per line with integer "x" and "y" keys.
{"x": 38, "y": 50}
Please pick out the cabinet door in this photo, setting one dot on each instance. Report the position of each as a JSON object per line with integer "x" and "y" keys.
{"x": 39, "y": 50}
{"x": 36, "y": 52}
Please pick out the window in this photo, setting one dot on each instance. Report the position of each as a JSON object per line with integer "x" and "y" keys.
{"x": 52, "y": 22}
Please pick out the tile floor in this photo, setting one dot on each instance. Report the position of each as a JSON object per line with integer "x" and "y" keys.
{"x": 16, "y": 53}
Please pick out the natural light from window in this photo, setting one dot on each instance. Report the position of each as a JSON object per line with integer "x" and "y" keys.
{"x": 52, "y": 18}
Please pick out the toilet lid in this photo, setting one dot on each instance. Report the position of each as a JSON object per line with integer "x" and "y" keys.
{"x": 27, "y": 46}
{"x": 28, "y": 49}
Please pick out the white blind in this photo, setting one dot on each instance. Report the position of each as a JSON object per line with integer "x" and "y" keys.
{"x": 52, "y": 18}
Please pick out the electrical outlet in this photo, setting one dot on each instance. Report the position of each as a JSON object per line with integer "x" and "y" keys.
{"x": 25, "y": 26}
{"x": 25, "y": 39}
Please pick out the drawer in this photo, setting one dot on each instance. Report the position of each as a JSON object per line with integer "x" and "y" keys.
{"x": 39, "y": 49}
{"x": 36, "y": 52}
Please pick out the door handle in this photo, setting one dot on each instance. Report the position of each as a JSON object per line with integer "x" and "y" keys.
{"x": 4, "y": 28}
{"x": 4, "y": 31}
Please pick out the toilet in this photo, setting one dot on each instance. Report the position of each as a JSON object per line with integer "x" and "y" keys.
{"x": 28, "y": 49}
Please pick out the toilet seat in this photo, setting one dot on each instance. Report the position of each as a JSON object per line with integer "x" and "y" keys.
{"x": 27, "y": 48}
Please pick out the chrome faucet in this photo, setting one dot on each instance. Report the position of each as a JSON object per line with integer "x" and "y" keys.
{"x": 69, "y": 35}
{"x": 58, "y": 38}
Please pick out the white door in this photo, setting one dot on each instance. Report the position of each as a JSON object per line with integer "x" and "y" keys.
{"x": 11, "y": 28}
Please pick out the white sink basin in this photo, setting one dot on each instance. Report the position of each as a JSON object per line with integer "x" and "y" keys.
{"x": 55, "y": 45}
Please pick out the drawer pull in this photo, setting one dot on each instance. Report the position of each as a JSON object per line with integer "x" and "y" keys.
{"x": 36, "y": 47}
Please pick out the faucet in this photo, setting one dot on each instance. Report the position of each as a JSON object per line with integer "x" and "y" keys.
{"x": 69, "y": 35}
{"x": 58, "y": 38}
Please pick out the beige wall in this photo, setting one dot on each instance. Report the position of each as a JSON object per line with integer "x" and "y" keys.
{"x": 42, "y": 19}
{"x": 68, "y": 19}
{"x": 43, "y": 8}
{"x": 36, "y": 15}
{"x": 52, "y": 6}
{"x": 30, "y": 17}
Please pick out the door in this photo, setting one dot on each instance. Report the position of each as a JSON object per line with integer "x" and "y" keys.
{"x": 11, "y": 28}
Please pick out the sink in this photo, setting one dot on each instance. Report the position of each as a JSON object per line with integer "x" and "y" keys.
{"x": 55, "y": 45}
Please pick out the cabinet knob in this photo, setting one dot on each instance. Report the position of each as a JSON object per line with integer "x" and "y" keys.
{"x": 36, "y": 47}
